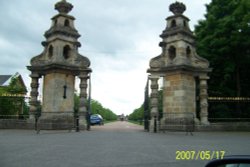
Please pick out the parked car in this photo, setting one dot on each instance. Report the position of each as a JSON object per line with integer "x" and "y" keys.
{"x": 96, "y": 119}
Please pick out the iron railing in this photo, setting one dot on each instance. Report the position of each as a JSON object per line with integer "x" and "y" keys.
{"x": 229, "y": 109}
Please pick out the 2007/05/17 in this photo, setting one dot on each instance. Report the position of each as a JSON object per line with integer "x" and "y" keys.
{"x": 199, "y": 155}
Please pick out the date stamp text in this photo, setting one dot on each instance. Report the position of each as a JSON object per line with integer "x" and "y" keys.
{"x": 199, "y": 155}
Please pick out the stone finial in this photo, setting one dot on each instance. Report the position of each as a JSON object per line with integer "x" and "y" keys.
{"x": 177, "y": 8}
{"x": 63, "y": 6}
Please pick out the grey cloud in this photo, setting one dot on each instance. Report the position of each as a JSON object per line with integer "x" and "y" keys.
{"x": 113, "y": 25}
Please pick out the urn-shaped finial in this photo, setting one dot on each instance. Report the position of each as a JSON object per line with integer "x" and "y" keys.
{"x": 177, "y": 8}
{"x": 63, "y": 7}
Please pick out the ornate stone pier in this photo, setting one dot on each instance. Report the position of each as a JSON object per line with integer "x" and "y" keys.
{"x": 59, "y": 64}
{"x": 179, "y": 65}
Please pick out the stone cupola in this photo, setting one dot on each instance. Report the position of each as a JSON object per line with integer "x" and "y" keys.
{"x": 61, "y": 45}
{"x": 178, "y": 42}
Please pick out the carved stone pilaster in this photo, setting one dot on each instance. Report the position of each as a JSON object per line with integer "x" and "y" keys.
{"x": 34, "y": 94}
{"x": 203, "y": 100}
{"x": 154, "y": 103}
{"x": 83, "y": 100}
{"x": 154, "y": 95}
{"x": 83, "y": 92}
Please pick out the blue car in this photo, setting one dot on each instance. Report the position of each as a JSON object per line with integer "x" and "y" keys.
{"x": 96, "y": 119}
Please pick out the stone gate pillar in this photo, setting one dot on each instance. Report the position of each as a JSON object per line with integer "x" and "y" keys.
{"x": 153, "y": 126}
{"x": 34, "y": 94}
{"x": 179, "y": 64}
{"x": 59, "y": 63}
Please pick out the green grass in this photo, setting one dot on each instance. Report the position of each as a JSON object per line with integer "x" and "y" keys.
{"x": 136, "y": 122}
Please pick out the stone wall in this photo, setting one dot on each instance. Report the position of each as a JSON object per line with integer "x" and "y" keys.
{"x": 16, "y": 124}
{"x": 42, "y": 125}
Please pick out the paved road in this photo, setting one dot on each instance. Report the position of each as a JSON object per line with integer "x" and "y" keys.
{"x": 119, "y": 126}
{"x": 117, "y": 147}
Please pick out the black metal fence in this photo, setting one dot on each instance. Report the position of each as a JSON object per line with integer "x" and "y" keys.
{"x": 229, "y": 109}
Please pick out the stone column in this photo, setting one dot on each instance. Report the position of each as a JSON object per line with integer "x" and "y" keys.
{"x": 33, "y": 94}
{"x": 83, "y": 100}
{"x": 154, "y": 104}
{"x": 203, "y": 100}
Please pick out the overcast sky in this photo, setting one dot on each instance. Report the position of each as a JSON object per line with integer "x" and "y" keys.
{"x": 118, "y": 36}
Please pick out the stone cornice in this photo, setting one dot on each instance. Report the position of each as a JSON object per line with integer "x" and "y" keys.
{"x": 59, "y": 68}
{"x": 178, "y": 15}
{"x": 63, "y": 15}
{"x": 61, "y": 30}
{"x": 179, "y": 68}
{"x": 174, "y": 31}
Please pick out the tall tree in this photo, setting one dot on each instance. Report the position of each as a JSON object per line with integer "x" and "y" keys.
{"x": 224, "y": 39}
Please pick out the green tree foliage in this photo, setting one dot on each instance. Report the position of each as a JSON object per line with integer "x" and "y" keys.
{"x": 137, "y": 114}
{"x": 107, "y": 114}
{"x": 97, "y": 108}
{"x": 10, "y": 104}
{"x": 15, "y": 87}
{"x": 224, "y": 39}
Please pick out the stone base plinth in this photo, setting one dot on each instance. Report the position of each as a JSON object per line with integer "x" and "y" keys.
{"x": 55, "y": 124}
{"x": 178, "y": 121}
{"x": 56, "y": 121}
{"x": 82, "y": 123}
{"x": 153, "y": 125}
